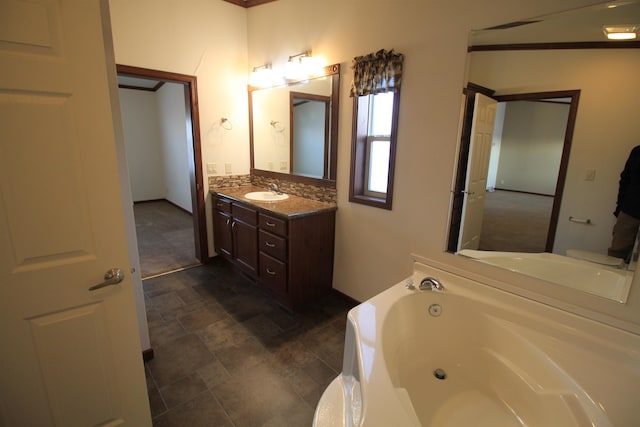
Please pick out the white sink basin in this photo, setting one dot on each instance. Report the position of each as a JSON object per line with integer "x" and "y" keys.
{"x": 265, "y": 196}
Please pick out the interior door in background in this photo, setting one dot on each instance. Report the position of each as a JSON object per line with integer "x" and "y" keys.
{"x": 70, "y": 356}
{"x": 484, "y": 114}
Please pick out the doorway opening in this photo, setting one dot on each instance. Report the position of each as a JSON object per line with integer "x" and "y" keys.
{"x": 162, "y": 139}
{"x": 535, "y": 171}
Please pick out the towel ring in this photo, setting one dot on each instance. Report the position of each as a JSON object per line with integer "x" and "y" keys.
{"x": 225, "y": 123}
{"x": 277, "y": 125}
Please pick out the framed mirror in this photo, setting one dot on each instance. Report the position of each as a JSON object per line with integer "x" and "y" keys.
{"x": 293, "y": 129}
{"x": 551, "y": 72}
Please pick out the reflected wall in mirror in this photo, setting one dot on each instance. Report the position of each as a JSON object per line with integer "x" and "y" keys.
{"x": 535, "y": 58}
{"x": 294, "y": 129}
{"x": 310, "y": 123}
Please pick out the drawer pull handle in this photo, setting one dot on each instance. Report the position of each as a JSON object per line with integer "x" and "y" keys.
{"x": 271, "y": 245}
{"x": 271, "y": 272}
{"x": 271, "y": 224}
{"x": 219, "y": 204}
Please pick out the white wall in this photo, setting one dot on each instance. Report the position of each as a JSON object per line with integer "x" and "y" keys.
{"x": 156, "y": 141}
{"x": 373, "y": 245}
{"x": 210, "y": 39}
{"x": 531, "y": 146}
{"x": 141, "y": 139}
{"x": 175, "y": 153}
{"x": 203, "y": 38}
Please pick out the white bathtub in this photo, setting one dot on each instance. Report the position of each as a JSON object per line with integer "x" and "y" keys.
{"x": 596, "y": 279}
{"x": 508, "y": 361}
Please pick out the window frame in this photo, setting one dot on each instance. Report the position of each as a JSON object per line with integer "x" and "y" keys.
{"x": 360, "y": 145}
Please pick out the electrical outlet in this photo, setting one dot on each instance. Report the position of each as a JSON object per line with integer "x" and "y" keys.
{"x": 212, "y": 168}
{"x": 227, "y": 168}
{"x": 590, "y": 175}
{"x": 283, "y": 165}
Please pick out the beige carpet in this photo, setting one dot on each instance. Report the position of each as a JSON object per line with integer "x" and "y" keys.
{"x": 515, "y": 222}
{"x": 165, "y": 237}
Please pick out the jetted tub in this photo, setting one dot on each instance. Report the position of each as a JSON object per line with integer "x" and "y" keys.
{"x": 473, "y": 355}
{"x": 609, "y": 282}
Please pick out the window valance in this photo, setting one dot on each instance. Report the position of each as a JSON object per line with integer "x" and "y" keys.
{"x": 377, "y": 72}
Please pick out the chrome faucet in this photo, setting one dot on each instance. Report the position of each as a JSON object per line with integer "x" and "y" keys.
{"x": 275, "y": 188}
{"x": 431, "y": 284}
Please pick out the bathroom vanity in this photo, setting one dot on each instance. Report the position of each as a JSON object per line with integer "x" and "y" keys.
{"x": 285, "y": 245}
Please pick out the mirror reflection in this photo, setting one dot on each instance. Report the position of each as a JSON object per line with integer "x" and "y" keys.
{"x": 293, "y": 128}
{"x": 547, "y": 129}
{"x": 310, "y": 122}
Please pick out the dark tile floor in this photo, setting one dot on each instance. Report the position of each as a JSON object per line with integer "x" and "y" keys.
{"x": 165, "y": 237}
{"x": 226, "y": 355}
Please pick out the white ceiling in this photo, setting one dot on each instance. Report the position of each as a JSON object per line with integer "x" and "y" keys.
{"x": 578, "y": 25}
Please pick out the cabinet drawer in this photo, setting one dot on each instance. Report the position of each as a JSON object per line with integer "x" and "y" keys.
{"x": 243, "y": 213}
{"x": 273, "y": 225}
{"x": 221, "y": 204}
{"x": 273, "y": 273}
{"x": 273, "y": 245}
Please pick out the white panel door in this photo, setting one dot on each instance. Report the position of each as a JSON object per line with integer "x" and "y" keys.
{"x": 68, "y": 356}
{"x": 484, "y": 115}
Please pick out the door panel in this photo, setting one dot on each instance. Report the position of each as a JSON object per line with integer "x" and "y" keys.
{"x": 69, "y": 356}
{"x": 85, "y": 396}
{"x": 484, "y": 114}
{"x": 67, "y": 228}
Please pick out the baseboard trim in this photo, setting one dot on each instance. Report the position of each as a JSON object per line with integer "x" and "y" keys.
{"x": 147, "y": 355}
{"x": 345, "y": 297}
{"x": 524, "y": 192}
{"x": 163, "y": 200}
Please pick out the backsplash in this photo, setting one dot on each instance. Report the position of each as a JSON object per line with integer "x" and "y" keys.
{"x": 229, "y": 181}
{"x": 312, "y": 192}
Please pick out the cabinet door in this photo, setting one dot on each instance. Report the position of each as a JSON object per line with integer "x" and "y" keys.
{"x": 223, "y": 240}
{"x": 246, "y": 245}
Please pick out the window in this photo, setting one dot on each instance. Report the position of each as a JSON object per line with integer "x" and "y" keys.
{"x": 373, "y": 149}
{"x": 376, "y": 97}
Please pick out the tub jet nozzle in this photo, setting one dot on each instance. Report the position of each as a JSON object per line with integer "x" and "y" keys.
{"x": 440, "y": 374}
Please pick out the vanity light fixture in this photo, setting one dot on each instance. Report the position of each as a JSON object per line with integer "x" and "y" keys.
{"x": 302, "y": 66}
{"x": 262, "y": 76}
{"x": 621, "y": 32}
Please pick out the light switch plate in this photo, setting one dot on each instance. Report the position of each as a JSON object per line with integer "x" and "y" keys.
{"x": 227, "y": 168}
{"x": 212, "y": 168}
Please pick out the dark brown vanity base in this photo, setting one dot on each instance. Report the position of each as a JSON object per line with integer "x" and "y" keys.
{"x": 287, "y": 250}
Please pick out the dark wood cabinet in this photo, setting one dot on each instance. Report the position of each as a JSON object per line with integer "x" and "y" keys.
{"x": 236, "y": 234}
{"x": 222, "y": 223}
{"x": 290, "y": 257}
{"x": 223, "y": 238}
{"x": 245, "y": 244}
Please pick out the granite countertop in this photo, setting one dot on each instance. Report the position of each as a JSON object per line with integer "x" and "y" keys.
{"x": 292, "y": 207}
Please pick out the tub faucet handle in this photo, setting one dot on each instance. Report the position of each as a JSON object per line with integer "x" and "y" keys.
{"x": 431, "y": 284}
